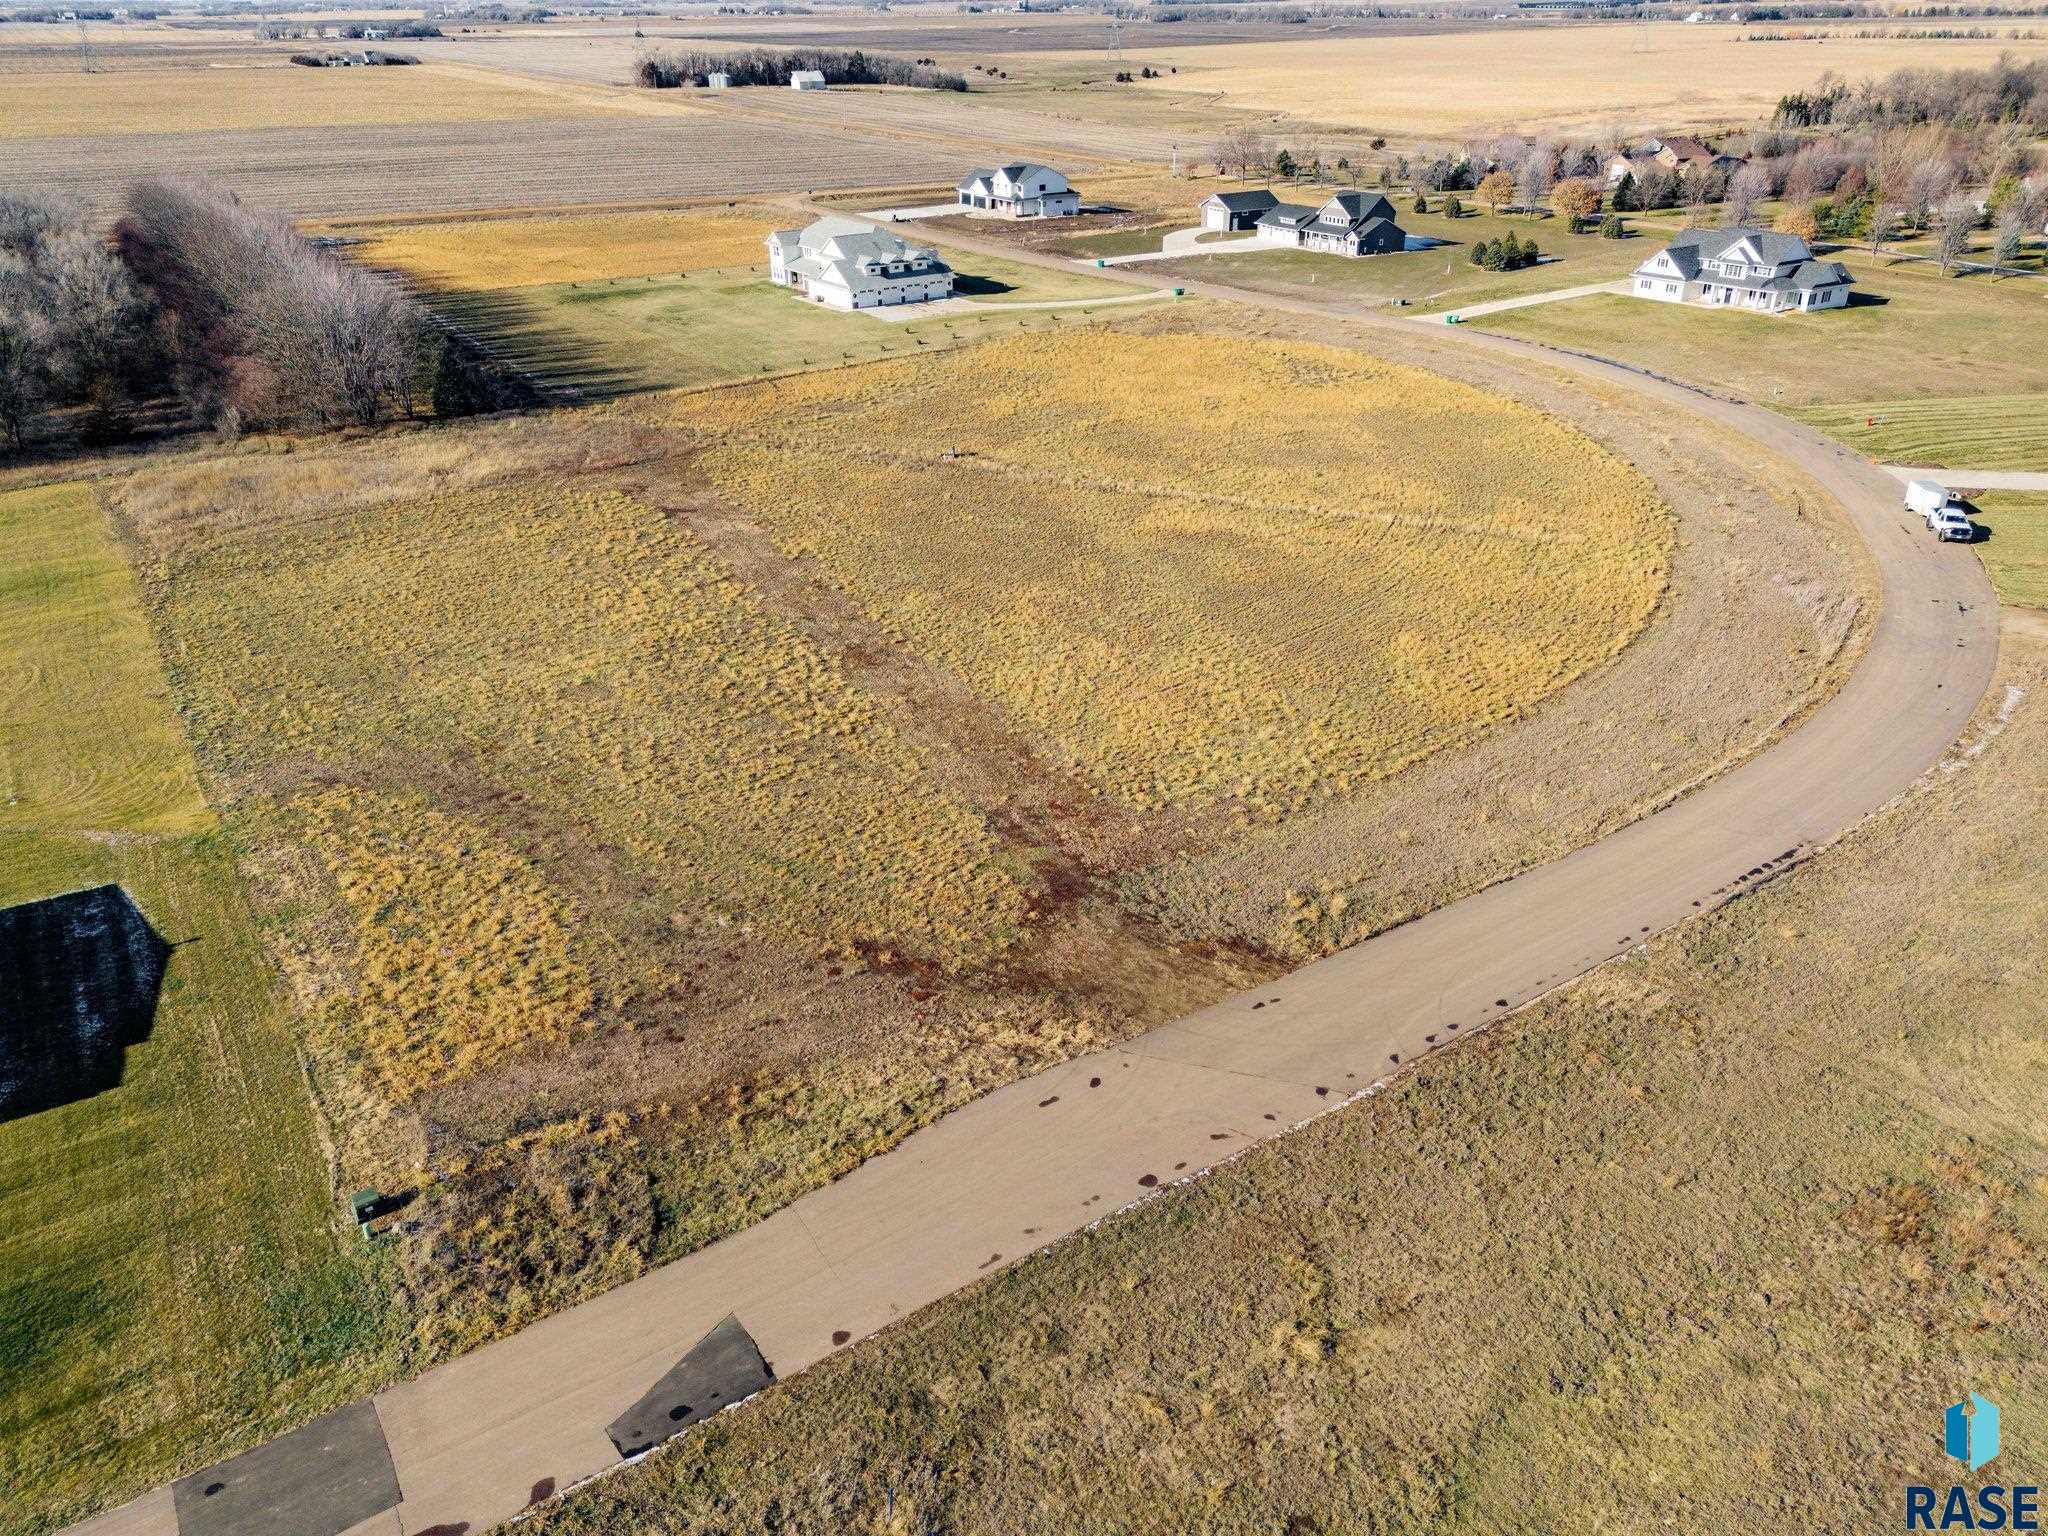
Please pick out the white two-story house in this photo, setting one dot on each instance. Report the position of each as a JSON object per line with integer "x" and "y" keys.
{"x": 850, "y": 264}
{"x": 1022, "y": 191}
{"x": 1757, "y": 269}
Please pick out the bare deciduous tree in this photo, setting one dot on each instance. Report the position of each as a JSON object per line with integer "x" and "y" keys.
{"x": 1746, "y": 191}
{"x": 1953, "y": 221}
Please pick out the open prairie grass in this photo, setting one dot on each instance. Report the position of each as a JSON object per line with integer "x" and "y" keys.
{"x": 1909, "y": 333}
{"x": 280, "y": 96}
{"x": 1104, "y": 534}
{"x": 1714, "y": 1230}
{"x": 170, "y": 1282}
{"x": 1966, "y": 431}
{"x": 2016, "y": 554}
{"x": 477, "y": 254}
{"x": 1663, "y": 75}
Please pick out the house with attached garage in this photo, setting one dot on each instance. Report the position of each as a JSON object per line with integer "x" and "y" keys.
{"x": 1755, "y": 269}
{"x": 850, "y": 264}
{"x": 1023, "y": 191}
{"x": 1236, "y": 210}
{"x": 1349, "y": 224}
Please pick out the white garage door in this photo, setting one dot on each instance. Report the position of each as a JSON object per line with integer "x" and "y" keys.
{"x": 1215, "y": 218}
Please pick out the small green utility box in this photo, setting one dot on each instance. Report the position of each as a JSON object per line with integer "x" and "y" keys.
{"x": 1454, "y": 320}
{"x": 1100, "y": 262}
{"x": 1179, "y": 292}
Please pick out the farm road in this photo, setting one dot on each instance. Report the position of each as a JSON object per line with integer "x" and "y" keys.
{"x": 472, "y": 1440}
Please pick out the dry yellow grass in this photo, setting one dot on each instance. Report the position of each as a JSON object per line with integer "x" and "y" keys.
{"x": 477, "y": 254}
{"x": 1661, "y": 76}
{"x": 285, "y": 96}
{"x": 598, "y": 655}
{"x": 1106, "y": 535}
{"x": 464, "y": 958}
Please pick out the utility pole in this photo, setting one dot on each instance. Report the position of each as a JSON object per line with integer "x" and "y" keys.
{"x": 87, "y": 63}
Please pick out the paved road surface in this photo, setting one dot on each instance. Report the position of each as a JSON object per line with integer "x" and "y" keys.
{"x": 473, "y": 1441}
{"x": 1524, "y": 301}
{"x": 1974, "y": 479}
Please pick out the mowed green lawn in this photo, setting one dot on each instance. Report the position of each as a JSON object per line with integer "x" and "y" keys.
{"x": 171, "y": 1286}
{"x": 1968, "y": 432}
{"x": 730, "y": 323}
{"x": 1911, "y": 334}
{"x": 1440, "y": 278}
{"x": 2016, "y": 553}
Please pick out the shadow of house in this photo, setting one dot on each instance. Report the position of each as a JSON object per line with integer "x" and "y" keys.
{"x": 79, "y": 980}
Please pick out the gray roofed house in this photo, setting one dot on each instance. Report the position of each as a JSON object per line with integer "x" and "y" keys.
{"x": 1349, "y": 224}
{"x": 850, "y": 264}
{"x": 1020, "y": 190}
{"x": 1236, "y": 210}
{"x": 1744, "y": 268}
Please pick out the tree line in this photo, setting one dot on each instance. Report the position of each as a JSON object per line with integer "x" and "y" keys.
{"x": 223, "y": 311}
{"x": 773, "y": 66}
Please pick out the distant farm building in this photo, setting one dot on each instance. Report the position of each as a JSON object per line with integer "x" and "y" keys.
{"x": 718, "y": 80}
{"x": 850, "y": 264}
{"x": 1236, "y": 210}
{"x": 1349, "y": 224}
{"x": 806, "y": 80}
{"x": 1754, "y": 269}
{"x": 1023, "y": 191}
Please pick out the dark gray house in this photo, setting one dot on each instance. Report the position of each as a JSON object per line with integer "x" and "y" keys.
{"x": 1349, "y": 224}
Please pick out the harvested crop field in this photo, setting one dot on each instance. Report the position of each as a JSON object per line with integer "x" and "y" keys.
{"x": 281, "y": 96}
{"x": 566, "y": 248}
{"x": 632, "y": 870}
{"x": 437, "y": 167}
{"x": 1106, "y": 538}
{"x": 1583, "y": 79}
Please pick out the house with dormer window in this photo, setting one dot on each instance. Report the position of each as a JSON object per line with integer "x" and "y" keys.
{"x": 850, "y": 264}
{"x": 1349, "y": 224}
{"x": 1022, "y": 191}
{"x": 1755, "y": 269}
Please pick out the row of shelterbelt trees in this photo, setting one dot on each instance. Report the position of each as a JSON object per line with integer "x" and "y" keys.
{"x": 773, "y": 66}
{"x": 223, "y": 314}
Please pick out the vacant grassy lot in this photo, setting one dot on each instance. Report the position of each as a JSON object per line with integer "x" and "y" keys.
{"x": 1562, "y": 79}
{"x": 282, "y": 96}
{"x": 2016, "y": 554}
{"x": 1718, "y": 1229}
{"x": 1969, "y": 431}
{"x": 1057, "y": 522}
{"x": 170, "y": 1281}
{"x": 630, "y": 875}
{"x": 482, "y": 254}
{"x": 614, "y": 334}
{"x": 1443, "y": 277}
{"x": 1912, "y": 334}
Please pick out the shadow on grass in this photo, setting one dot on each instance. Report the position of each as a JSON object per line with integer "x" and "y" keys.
{"x": 968, "y": 286}
{"x": 516, "y": 333}
{"x": 80, "y": 976}
{"x": 1861, "y": 300}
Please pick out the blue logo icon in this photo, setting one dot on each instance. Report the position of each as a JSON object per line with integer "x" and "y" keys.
{"x": 1970, "y": 1431}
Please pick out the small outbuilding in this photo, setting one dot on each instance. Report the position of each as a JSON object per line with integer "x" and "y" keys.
{"x": 1236, "y": 210}
{"x": 807, "y": 80}
{"x": 718, "y": 80}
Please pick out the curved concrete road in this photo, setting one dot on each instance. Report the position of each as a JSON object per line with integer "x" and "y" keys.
{"x": 474, "y": 1441}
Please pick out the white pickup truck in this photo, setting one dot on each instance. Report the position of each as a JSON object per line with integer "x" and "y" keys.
{"x": 1940, "y": 510}
{"x": 1951, "y": 525}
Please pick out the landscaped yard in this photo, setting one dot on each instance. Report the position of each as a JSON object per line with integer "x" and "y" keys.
{"x": 1442, "y": 277}
{"x": 1910, "y": 333}
{"x": 2016, "y": 553}
{"x": 172, "y": 1282}
{"x": 1969, "y": 431}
